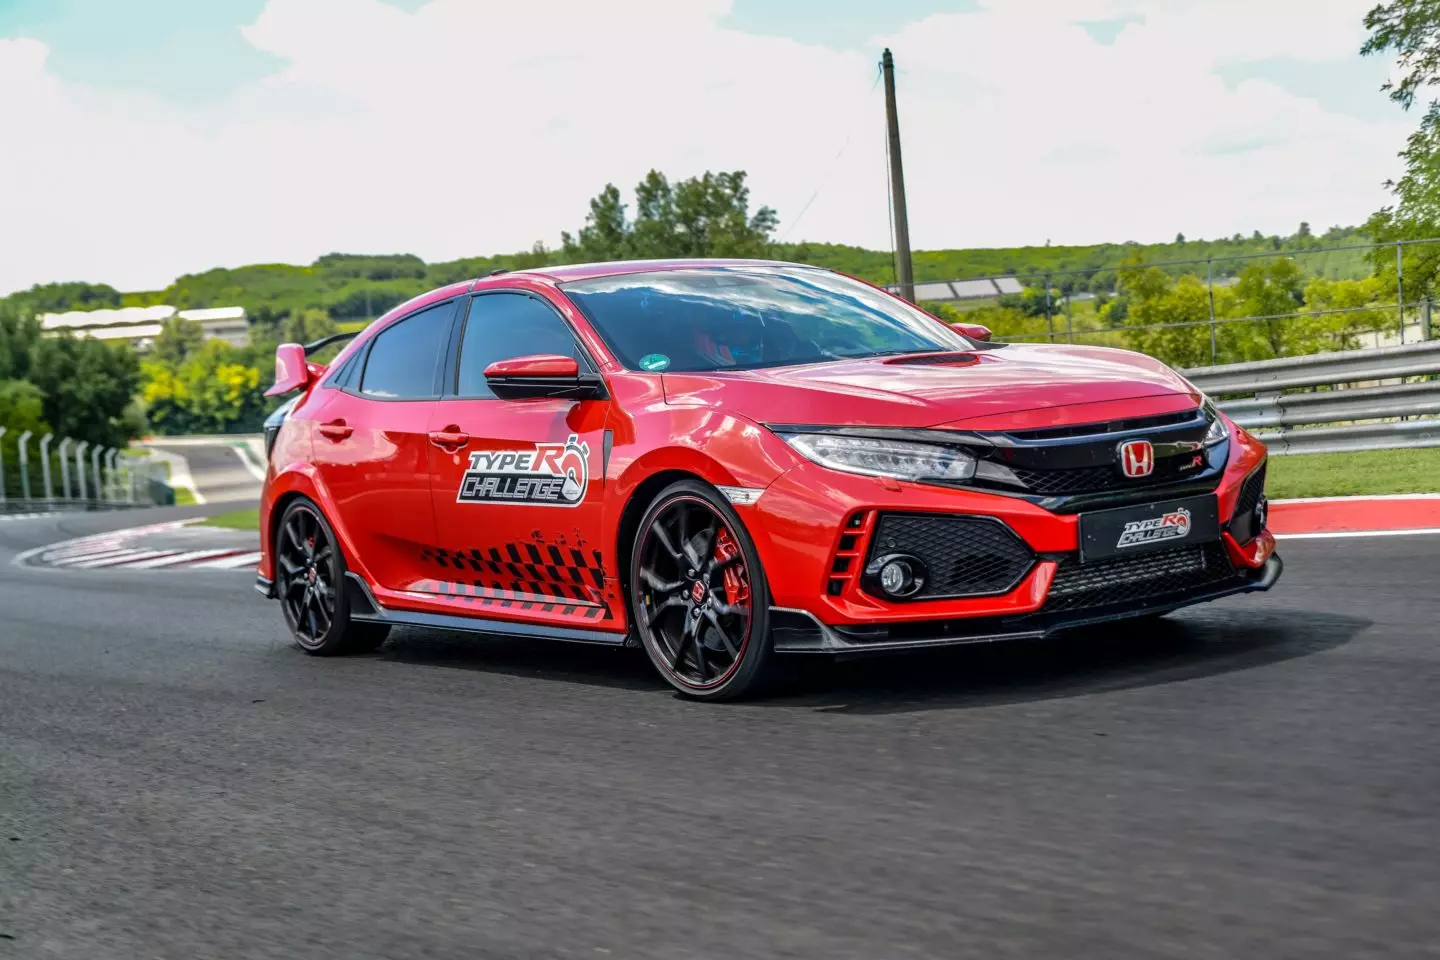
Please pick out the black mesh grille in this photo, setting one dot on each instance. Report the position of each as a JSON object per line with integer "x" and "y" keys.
{"x": 1112, "y": 426}
{"x": 1100, "y": 479}
{"x": 966, "y": 556}
{"x": 1242, "y": 524}
{"x": 1129, "y": 580}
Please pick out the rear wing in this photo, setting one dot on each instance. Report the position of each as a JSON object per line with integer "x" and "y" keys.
{"x": 293, "y": 371}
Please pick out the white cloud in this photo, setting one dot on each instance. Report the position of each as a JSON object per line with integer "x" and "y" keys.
{"x": 468, "y": 128}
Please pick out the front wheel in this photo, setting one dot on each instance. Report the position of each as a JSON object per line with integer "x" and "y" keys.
{"x": 310, "y": 577}
{"x": 699, "y": 595}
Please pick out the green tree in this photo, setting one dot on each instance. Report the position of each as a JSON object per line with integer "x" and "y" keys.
{"x": 212, "y": 391}
{"x": 705, "y": 216}
{"x": 179, "y": 339}
{"x": 87, "y": 386}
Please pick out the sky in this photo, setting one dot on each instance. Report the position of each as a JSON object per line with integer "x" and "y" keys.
{"x": 150, "y": 138}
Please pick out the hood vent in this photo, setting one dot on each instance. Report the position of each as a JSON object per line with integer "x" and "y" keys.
{"x": 936, "y": 360}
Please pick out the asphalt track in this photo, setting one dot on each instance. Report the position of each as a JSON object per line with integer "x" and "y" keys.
{"x": 1252, "y": 778}
{"x": 217, "y": 468}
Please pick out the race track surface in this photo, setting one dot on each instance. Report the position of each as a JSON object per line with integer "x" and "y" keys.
{"x": 1255, "y": 778}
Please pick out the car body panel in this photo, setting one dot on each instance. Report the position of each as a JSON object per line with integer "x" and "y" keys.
{"x": 393, "y": 494}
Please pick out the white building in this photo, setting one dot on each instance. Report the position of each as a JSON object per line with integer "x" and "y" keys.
{"x": 141, "y": 325}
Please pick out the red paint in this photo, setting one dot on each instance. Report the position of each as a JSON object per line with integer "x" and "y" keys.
{"x": 402, "y": 481}
{"x": 1354, "y": 514}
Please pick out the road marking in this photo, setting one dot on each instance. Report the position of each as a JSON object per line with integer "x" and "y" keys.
{"x": 189, "y": 557}
{"x": 85, "y": 557}
{"x": 1336, "y": 534}
{"x": 231, "y": 563}
{"x": 129, "y": 556}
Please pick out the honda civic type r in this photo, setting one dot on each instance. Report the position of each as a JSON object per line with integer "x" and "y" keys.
{"x": 720, "y": 461}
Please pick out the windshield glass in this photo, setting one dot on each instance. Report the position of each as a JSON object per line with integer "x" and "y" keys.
{"x": 727, "y": 318}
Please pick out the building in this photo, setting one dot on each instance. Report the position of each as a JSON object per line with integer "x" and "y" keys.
{"x": 955, "y": 291}
{"x": 141, "y": 325}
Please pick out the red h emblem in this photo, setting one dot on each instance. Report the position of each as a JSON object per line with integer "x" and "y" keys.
{"x": 1137, "y": 458}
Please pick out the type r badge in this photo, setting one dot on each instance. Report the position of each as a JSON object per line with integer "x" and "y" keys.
{"x": 550, "y": 474}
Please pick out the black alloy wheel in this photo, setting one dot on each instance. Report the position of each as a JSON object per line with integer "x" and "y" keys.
{"x": 700, "y": 598}
{"x": 309, "y": 576}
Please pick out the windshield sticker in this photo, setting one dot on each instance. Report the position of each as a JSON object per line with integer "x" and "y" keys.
{"x": 654, "y": 362}
{"x": 551, "y": 474}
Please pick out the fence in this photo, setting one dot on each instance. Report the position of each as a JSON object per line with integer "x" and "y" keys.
{"x": 1211, "y": 322}
{"x": 71, "y": 475}
{"x": 1379, "y": 417}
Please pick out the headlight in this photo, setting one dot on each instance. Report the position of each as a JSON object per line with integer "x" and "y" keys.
{"x": 884, "y": 458}
{"x": 1217, "y": 431}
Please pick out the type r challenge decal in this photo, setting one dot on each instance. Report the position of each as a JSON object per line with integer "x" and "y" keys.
{"x": 552, "y": 474}
{"x": 1172, "y": 526}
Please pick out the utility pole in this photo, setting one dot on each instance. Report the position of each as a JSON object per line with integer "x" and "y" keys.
{"x": 905, "y": 270}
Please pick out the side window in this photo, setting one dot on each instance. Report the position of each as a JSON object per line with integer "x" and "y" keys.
{"x": 402, "y": 360}
{"x": 502, "y": 326}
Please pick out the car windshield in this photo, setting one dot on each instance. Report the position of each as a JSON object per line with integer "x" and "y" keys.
{"x": 728, "y": 318}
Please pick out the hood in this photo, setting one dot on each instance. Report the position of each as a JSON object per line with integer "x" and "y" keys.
{"x": 1018, "y": 386}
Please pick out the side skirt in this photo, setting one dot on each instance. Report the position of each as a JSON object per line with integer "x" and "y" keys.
{"x": 364, "y": 608}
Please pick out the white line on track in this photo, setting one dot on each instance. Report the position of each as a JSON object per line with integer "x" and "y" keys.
{"x": 189, "y": 557}
{"x": 1340, "y": 534}
{"x": 87, "y": 557}
{"x": 231, "y": 563}
{"x": 1363, "y": 496}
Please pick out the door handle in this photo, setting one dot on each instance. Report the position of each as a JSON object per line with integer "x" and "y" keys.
{"x": 336, "y": 430}
{"x": 450, "y": 439}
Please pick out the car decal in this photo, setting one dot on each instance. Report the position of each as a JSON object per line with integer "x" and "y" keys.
{"x": 543, "y": 577}
{"x": 547, "y": 474}
{"x": 1171, "y": 526}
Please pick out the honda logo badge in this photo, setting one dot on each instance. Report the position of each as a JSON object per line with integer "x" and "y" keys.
{"x": 1137, "y": 458}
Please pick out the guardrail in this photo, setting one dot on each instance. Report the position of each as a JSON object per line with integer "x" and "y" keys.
{"x": 1364, "y": 417}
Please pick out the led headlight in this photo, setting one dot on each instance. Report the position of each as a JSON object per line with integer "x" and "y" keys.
{"x": 884, "y": 458}
{"x": 1217, "y": 431}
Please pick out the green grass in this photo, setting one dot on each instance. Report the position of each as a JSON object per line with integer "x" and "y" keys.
{"x": 183, "y": 497}
{"x": 236, "y": 519}
{"x": 1339, "y": 474}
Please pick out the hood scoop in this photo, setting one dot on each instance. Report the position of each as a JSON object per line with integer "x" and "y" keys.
{"x": 935, "y": 360}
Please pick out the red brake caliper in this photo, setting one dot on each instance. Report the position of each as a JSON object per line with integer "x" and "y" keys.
{"x": 737, "y": 589}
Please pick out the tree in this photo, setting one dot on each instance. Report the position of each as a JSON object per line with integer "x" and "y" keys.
{"x": 1411, "y": 30}
{"x": 705, "y": 216}
{"x": 1179, "y": 239}
{"x": 213, "y": 391}
{"x": 178, "y": 340}
{"x": 87, "y": 385}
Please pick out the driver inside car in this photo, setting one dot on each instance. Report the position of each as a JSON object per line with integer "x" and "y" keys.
{"x": 731, "y": 340}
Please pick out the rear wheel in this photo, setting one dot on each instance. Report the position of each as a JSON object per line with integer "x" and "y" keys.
{"x": 699, "y": 596}
{"x": 309, "y": 580}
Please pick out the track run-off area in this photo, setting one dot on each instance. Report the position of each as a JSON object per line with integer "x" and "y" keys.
{"x": 1255, "y": 777}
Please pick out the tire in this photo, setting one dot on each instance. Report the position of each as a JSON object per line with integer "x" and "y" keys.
{"x": 309, "y": 582}
{"x": 706, "y": 628}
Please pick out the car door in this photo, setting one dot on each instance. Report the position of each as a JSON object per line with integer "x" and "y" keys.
{"x": 372, "y": 448}
{"x": 517, "y": 484}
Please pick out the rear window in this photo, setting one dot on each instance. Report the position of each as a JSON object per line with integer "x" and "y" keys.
{"x": 720, "y": 318}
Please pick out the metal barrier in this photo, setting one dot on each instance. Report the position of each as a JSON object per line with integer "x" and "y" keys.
{"x": 1365, "y": 417}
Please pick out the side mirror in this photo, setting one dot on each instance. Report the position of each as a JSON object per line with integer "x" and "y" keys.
{"x": 975, "y": 331}
{"x": 292, "y": 370}
{"x": 542, "y": 375}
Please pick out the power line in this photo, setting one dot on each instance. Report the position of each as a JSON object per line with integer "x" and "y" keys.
{"x": 830, "y": 170}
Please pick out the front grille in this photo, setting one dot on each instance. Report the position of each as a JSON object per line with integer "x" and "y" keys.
{"x": 1129, "y": 580}
{"x": 1111, "y": 426}
{"x": 1101, "y": 479}
{"x": 966, "y": 556}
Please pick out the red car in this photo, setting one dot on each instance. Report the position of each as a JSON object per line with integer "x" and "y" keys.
{"x": 723, "y": 460}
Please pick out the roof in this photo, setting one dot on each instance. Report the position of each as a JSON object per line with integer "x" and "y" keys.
{"x": 589, "y": 271}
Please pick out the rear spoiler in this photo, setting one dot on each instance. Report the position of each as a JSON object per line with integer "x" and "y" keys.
{"x": 293, "y": 371}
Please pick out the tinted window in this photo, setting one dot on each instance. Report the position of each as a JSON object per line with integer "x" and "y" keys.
{"x": 403, "y": 358}
{"x": 502, "y": 326}
{"x": 742, "y": 318}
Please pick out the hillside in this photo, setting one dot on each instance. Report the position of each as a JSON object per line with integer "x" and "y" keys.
{"x": 353, "y": 287}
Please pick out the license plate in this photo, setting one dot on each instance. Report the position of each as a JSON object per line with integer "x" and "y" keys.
{"x": 1129, "y": 531}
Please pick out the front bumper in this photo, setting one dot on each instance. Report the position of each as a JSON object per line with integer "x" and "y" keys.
{"x": 816, "y": 530}
{"x": 799, "y": 631}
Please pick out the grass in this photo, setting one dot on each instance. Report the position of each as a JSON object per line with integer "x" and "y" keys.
{"x": 236, "y": 519}
{"x": 1339, "y": 474}
{"x": 183, "y": 497}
